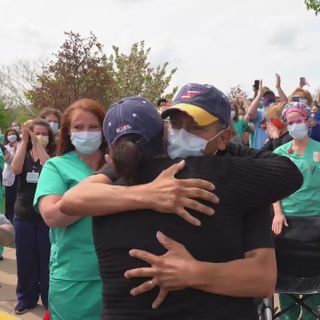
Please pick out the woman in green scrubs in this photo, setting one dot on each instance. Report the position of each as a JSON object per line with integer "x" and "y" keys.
{"x": 75, "y": 285}
{"x": 305, "y": 154}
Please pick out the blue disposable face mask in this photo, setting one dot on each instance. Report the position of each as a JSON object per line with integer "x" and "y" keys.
{"x": 54, "y": 127}
{"x": 86, "y": 142}
{"x": 182, "y": 144}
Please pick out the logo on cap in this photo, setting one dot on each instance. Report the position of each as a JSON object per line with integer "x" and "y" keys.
{"x": 194, "y": 91}
{"x": 123, "y": 127}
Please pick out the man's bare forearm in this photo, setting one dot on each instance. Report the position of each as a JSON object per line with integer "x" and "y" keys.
{"x": 252, "y": 110}
{"x": 248, "y": 277}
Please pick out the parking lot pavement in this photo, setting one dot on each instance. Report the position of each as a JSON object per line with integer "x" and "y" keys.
{"x": 8, "y": 280}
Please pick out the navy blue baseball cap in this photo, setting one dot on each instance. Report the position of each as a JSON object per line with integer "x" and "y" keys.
{"x": 204, "y": 103}
{"x": 132, "y": 115}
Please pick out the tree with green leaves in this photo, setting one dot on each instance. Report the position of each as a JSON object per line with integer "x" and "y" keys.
{"x": 134, "y": 75}
{"x": 81, "y": 69}
{"x": 313, "y": 5}
{"x": 4, "y": 116}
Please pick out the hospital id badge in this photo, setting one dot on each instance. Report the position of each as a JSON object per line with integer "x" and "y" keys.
{"x": 32, "y": 177}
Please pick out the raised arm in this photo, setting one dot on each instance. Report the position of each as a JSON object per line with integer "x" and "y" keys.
{"x": 282, "y": 95}
{"x": 253, "y": 108}
{"x": 19, "y": 157}
{"x": 38, "y": 151}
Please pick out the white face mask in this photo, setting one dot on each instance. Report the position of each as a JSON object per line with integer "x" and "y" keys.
{"x": 54, "y": 127}
{"x": 182, "y": 144}
{"x": 298, "y": 131}
{"x": 86, "y": 142}
{"x": 12, "y": 138}
{"x": 232, "y": 114}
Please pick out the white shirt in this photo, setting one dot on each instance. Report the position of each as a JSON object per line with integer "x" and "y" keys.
{"x": 8, "y": 176}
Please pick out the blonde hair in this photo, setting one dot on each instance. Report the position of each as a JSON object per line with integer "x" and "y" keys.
{"x": 307, "y": 95}
{"x": 28, "y": 123}
{"x": 274, "y": 110}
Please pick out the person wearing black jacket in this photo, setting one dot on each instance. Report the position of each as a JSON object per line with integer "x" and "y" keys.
{"x": 232, "y": 250}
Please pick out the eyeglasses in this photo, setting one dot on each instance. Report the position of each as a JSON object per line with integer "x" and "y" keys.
{"x": 190, "y": 127}
{"x": 298, "y": 120}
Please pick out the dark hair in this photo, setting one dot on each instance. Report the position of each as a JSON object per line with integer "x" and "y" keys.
{"x": 5, "y": 141}
{"x": 161, "y": 101}
{"x": 130, "y": 152}
{"x": 88, "y": 105}
{"x": 47, "y": 111}
{"x": 51, "y": 147}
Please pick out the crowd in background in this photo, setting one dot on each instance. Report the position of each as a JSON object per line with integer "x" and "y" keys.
{"x": 268, "y": 121}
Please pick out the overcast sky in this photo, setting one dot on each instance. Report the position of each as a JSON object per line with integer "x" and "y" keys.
{"x": 224, "y": 43}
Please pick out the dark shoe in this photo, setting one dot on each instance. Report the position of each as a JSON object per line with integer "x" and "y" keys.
{"x": 1, "y": 257}
{"x": 20, "y": 309}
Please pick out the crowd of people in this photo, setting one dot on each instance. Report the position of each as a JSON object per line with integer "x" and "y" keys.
{"x": 166, "y": 212}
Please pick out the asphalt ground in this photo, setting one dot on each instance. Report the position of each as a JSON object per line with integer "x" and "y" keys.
{"x": 8, "y": 281}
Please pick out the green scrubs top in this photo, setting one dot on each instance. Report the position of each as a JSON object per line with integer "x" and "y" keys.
{"x": 240, "y": 127}
{"x": 306, "y": 200}
{"x": 73, "y": 255}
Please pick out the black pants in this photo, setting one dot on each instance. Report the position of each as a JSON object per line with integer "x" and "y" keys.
{"x": 33, "y": 253}
{"x": 10, "y": 196}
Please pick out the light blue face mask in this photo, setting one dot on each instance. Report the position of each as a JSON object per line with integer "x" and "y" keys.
{"x": 182, "y": 144}
{"x": 86, "y": 142}
{"x": 54, "y": 127}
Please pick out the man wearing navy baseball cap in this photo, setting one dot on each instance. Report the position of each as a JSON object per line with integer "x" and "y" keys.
{"x": 198, "y": 121}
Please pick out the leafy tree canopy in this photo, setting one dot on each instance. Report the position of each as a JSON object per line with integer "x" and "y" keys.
{"x": 81, "y": 69}
{"x": 313, "y": 5}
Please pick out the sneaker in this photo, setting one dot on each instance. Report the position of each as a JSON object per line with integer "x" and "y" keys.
{"x": 20, "y": 309}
